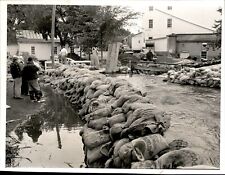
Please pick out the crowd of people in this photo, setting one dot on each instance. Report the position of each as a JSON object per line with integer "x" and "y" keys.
{"x": 25, "y": 76}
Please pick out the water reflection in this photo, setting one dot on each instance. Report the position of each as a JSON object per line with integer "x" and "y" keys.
{"x": 52, "y": 136}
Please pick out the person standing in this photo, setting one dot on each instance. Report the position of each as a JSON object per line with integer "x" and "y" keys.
{"x": 63, "y": 53}
{"x": 16, "y": 72}
{"x": 95, "y": 59}
{"x": 30, "y": 72}
{"x": 149, "y": 55}
{"x": 24, "y": 87}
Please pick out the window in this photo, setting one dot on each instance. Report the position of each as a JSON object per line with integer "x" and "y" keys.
{"x": 55, "y": 50}
{"x": 169, "y": 23}
{"x": 149, "y": 37}
{"x": 150, "y": 23}
{"x": 32, "y": 50}
{"x": 139, "y": 41}
{"x": 151, "y": 8}
{"x": 169, "y": 7}
{"x": 72, "y": 49}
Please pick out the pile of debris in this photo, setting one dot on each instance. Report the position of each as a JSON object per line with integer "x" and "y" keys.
{"x": 209, "y": 76}
{"x": 123, "y": 129}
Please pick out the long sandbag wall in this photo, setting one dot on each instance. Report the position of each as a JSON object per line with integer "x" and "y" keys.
{"x": 123, "y": 129}
{"x": 205, "y": 76}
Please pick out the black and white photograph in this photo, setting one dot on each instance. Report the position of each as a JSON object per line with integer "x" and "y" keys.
{"x": 132, "y": 85}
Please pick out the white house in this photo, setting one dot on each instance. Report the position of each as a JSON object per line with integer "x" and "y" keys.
{"x": 138, "y": 41}
{"x": 31, "y": 43}
{"x": 159, "y": 22}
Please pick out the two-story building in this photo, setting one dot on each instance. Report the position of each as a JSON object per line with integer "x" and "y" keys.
{"x": 169, "y": 29}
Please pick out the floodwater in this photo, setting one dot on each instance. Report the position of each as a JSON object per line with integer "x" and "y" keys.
{"x": 53, "y": 140}
{"x": 194, "y": 111}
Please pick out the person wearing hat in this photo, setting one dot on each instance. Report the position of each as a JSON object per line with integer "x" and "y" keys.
{"x": 16, "y": 72}
{"x": 30, "y": 72}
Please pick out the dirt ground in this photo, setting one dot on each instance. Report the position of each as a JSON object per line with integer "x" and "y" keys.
{"x": 194, "y": 111}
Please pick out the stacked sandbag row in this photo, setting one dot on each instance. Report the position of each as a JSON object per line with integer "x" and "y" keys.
{"x": 205, "y": 76}
{"x": 123, "y": 128}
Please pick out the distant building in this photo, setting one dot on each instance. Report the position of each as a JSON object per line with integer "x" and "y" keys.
{"x": 175, "y": 29}
{"x": 138, "y": 41}
{"x": 30, "y": 43}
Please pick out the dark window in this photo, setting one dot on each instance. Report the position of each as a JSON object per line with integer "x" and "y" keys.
{"x": 149, "y": 37}
{"x": 72, "y": 49}
{"x": 151, "y": 8}
{"x": 204, "y": 54}
{"x": 169, "y": 7}
{"x": 150, "y": 23}
{"x": 169, "y": 22}
{"x": 33, "y": 50}
{"x": 55, "y": 50}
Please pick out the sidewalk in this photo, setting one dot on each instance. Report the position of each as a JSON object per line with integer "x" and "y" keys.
{"x": 19, "y": 109}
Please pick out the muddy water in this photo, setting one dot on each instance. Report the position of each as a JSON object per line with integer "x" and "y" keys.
{"x": 194, "y": 111}
{"x": 53, "y": 141}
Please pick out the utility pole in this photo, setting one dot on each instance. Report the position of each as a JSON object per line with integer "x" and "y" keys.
{"x": 52, "y": 35}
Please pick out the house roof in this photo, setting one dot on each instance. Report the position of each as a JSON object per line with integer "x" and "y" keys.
{"x": 31, "y": 36}
{"x": 185, "y": 20}
{"x": 137, "y": 34}
{"x": 201, "y": 37}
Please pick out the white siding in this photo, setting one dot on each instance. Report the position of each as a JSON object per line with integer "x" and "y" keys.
{"x": 12, "y": 49}
{"x": 160, "y": 28}
{"x": 42, "y": 50}
{"x": 137, "y": 42}
{"x": 160, "y": 45}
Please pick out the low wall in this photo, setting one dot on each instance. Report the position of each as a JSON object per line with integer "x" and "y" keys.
{"x": 123, "y": 129}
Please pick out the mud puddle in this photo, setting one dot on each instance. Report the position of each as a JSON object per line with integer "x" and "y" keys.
{"x": 50, "y": 139}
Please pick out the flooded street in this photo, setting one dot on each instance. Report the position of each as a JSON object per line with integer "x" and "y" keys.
{"x": 52, "y": 139}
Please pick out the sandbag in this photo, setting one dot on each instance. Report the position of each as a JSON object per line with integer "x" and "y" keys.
{"x": 125, "y": 154}
{"x": 136, "y": 105}
{"x": 103, "y": 87}
{"x": 183, "y": 157}
{"x": 120, "y": 102}
{"x": 103, "y": 112}
{"x": 147, "y": 147}
{"x": 147, "y": 164}
{"x": 174, "y": 145}
{"x": 98, "y": 153}
{"x": 139, "y": 113}
{"x": 142, "y": 129}
{"x": 117, "y": 145}
{"x": 115, "y": 131}
{"x": 98, "y": 124}
{"x": 116, "y": 119}
{"x": 117, "y": 111}
{"x": 98, "y": 93}
{"x": 96, "y": 83}
{"x": 95, "y": 138}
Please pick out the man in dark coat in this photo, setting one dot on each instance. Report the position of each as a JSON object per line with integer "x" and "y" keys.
{"x": 16, "y": 72}
{"x": 30, "y": 72}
